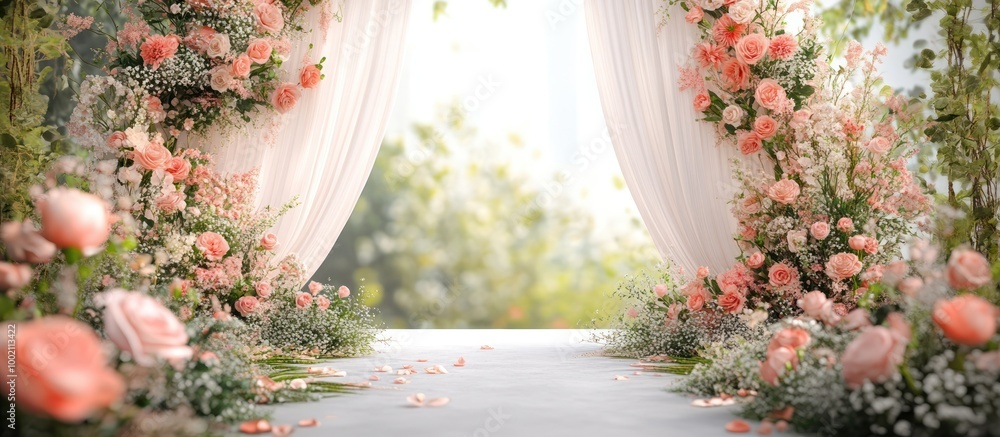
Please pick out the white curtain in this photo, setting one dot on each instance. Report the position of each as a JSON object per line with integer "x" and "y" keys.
{"x": 677, "y": 174}
{"x": 326, "y": 146}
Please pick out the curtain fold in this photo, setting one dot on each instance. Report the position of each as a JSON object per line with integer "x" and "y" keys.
{"x": 678, "y": 175}
{"x": 324, "y": 149}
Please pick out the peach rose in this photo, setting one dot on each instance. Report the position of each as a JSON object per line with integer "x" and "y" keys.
{"x": 751, "y": 48}
{"x": 269, "y": 241}
{"x": 966, "y": 319}
{"x": 780, "y": 275}
{"x": 171, "y": 202}
{"x": 158, "y": 48}
{"x": 220, "y": 79}
{"x": 968, "y": 270}
{"x": 71, "y": 218}
{"x": 241, "y": 66}
{"x": 140, "y": 325}
{"x": 755, "y": 260}
{"x": 14, "y": 276}
{"x": 784, "y": 191}
{"x": 152, "y": 157}
{"x": 212, "y": 245}
{"x": 732, "y": 302}
{"x": 218, "y": 46}
{"x": 702, "y": 102}
{"x": 770, "y": 95}
{"x": 748, "y": 142}
{"x": 246, "y": 305}
{"x": 778, "y": 361}
{"x": 878, "y": 146}
{"x": 310, "y": 76}
{"x": 857, "y": 242}
{"x": 871, "y": 356}
{"x": 177, "y": 167}
{"x": 322, "y": 302}
{"x": 820, "y": 230}
{"x": 315, "y": 287}
{"x": 735, "y": 75}
{"x": 815, "y": 305}
{"x": 694, "y": 15}
{"x": 269, "y": 18}
{"x": 765, "y": 127}
{"x": 702, "y": 272}
{"x": 792, "y": 338}
{"x": 660, "y": 290}
{"x": 871, "y": 246}
{"x": 697, "y": 295}
{"x": 303, "y": 300}
{"x": 843, "y": 266}
{"x": 796, "y": 240}
{"x": 856, "y": 319}
{"x": 263, "y": 289}
{"x": 25, "y": 244}
{"x": 910, "y": 286}
{"x": 733, "y": 115}
{"x": 343, "y": 292}
{"x": 63, "y": 370}
{"x": 259, "y": 51}
{"x": 117, "y": 140}
{"x": 845, "y": 225}
{"x": 285, "y": 97}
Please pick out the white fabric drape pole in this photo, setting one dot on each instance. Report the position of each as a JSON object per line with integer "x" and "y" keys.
{"x": 680, "y": 179}
{"x": 327, "y": 145}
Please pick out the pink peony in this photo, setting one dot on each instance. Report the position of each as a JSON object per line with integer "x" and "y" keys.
{"x": 140, "y": 325}
{"x": 63, "y": 370}
{"x": 263, "y": 289}
{"x": 660, "y": 290}
{"x": 857, "y": 242}
{"x": 117, "y": 140}
{"x": 152, "y": 157}
{"x": 820, "y": 230}
{"x": 178, "y": 167}
{"x": 212, "y": 245}
{"x": 158, "y": 48}
{"x": 322, "y": 302}
{"x": 25, "y": 244}
{"x": 968, "y": 270}
{"x": 755, "y": 260}
{"x": 269, "y": 241}
{"x": 246, "y": 305}
{"x": 780, "y": 275}
{"x": 748, "y": 142}
{"x": 784, "y": 191}
{"x": 343, "y": 292}
{"x": 694, "y": 15}
{"x": 770, "y": 95}
{"x": 735, "y": 75}
{"x": 241, "y": 66}
{"x": 285, "y": 97}
{"x": 269, "y": 18}
{"x": 751, "y": 48}
{"x": 765, "y": 127}
{"x": 782, "y": 47}
{"x": 71, "y": 218}
{"x": 843, "y": 266}
{"x": 878, "y": 146}
{"x": 966, "y": 319}
{"x": 14, "y": 276}
{"x": 702, "y": 102}
{"x": 259, "y": 51}
{"x": 315, "y": 287}
{"x": 303, "y": 300}
{"x": 871, "y": 356}
{"x": 310, "y": 76}
{"x": 845, "y": 225}
{"x": 732, "y": 302}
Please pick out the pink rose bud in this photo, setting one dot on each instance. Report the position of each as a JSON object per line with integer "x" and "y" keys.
{"x": 857, "y": 242}
{"x": 343, "y": 292}
{"x": 246, "y": 305}
{"x": 315, "y": 287}
{"x": 845, "y": 225}
{"x": 303, "y": 300}
{"x": 702, "y": 272}
{"x": 660, "y": 290}
{"x": 820, "y": 230}
{"x": 322, "y": 302}
{"x": 756, "y": 260}
{"x": 269, "y": 241}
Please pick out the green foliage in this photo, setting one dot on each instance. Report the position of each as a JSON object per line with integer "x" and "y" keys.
{"x": 856, "y": 18}
{"x": 445, "y": 239}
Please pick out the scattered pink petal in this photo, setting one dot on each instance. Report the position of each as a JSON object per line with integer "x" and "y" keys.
{"x": 338, "y": 374}
{"x": 701, "y": 403}
{"x": 421, "y": 360}
{"x": 401, "y": 380}
{"x": 738, "y": 426}
{"x": 255, "y": 427}
{"x": 637, "y": 373}
{"x": 436, "y": 370}
{"x": 781, "y": 426}
{"x": 359, "y": 384}
{"x": 620, "y": 378}
{"x": 725, "y": 396}
{"x": 438, "y": 402}
{"x": 373, "y": 378}
{"x": 460, "y": 362}
{"x": 282, "y": 430}
{"x": 385, "y": 368}
{"x": 742, "y": 393}
{"x": 765, "y": 428}
{"x": 486, "y": 347}
{"x": 409, "y": 366}
{"x": 416, "y": 400}
{"x": 406, "y": 372}
{"x": 307, "y": 423}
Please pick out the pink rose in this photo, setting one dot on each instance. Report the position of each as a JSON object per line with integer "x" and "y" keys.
{"x": 815, "y": 304}
{"x": 770, "y": 95}
{"x": 843, "y": 266}
{"x": 871, "y": 356}
{"x": 660, "y": 290}
{"x": 784, "y": 191}
{"x": 782, "y": 47}
{"x": 792, "y": 338}
{"x": 820, "y": 230}
{"x": 177, "y": 167}
{"x": 910, "y": 286}
{"x": 269, "y": 18}
{"x": 140, "y": 325}
{"x": 285, "y": 97}
{"x": 310, "y": 76}
{"x": 968, "y": 270}
{"x": 263, "y": 289}
{"x": 878, "y": 146}
{"x": 694, "y": 15}
{"x": 72, "y": 218}
{"x": 343, "y": 292}
{"x": 780, "y": 275}
{"x": 152, "y": 157}
{"x": 63, "y": 370}
{"x": 212, "y": 245}
{"x": 702, "y": 272}
{"x": 778, "y": 361}
{"x": 171, "y": 202}
{"x": 315, "y": 287}
{"x": 674, "y": 310}
{"x": 751, "y": 48}
{"x": 748, "y": 142}
{"x": 797, "y": 240}
{"x": 765, "y": 127}
{"x": 303, "y": 300}
{"x": 735, "y": 75}
{"x": 856, "y": 319}
{"x": 702, "y": 102}
{"x": 322, "y": 302}
{"x": 246, "y": 305}
{"x": 269, "y": 241}
{"x": 755, "y": 260}
{"x": 845, "y": 225}
{"x": 857, "y": 242}
{"x": 696, "y": 294}
{"x": 871, "y": 246}
{"x": 218, "y": 46}
{"x": 25, "y": 244}
{"x": 966, "y": 319}
{"x": 14, "y": 276}
{"x": 220, "y": 79}
{"x": 158, "y": 48}
{"x": 117, "y": 140}
{"x": 259, "y": 51}
{"x": 732, "y": 302}
{"x": 241, "y": 66}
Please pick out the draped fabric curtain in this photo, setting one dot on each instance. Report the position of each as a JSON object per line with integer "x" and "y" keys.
{"x": 678, "y": 175}
{"x": 324, "y": 149}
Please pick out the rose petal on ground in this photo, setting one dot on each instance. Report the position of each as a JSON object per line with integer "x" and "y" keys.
{"x": 385, "y": 368}
{"x": 339, "y": 374}
{"x": 738, "y": 426}
{"x": 306, "y": 423}
{"x": 408, "y": 366}
{"x": 620, "y": 378}
{"x": 460, "y": 362}
{"x": 703, "y": 403}
{"x": 373, "y": 378}
{"x": 421, "y": 360}
{"x": 416, "y": 400}
{"x": 781, "y": 426}
{"x": 255, "y": 427}
{"x": 438, "y": 402}
{"x": 765, "y": 428}
{"x": 637, "y": 373}
{"x": 282, "y": 430}
{"x": 401, "y": 381}
{"x": 783, "y": 414}
{"x": 486, "y": 347}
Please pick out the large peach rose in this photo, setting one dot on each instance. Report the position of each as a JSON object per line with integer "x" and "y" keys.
{"x": 62, "y": 370}
{"x": 269, "y": 18}
{"x": 748, "y": 142}
{"x": 770, "y": 95}
{"x": 968, "y": 270}
{"x": 735, "y": 74}
{"x": 218, "y": 46}
{"x": 171, "y": 202}
{"x": 751, "y": 48}
{"x": 820, "y": 230}
{"x": 793, "y": 338}
{"x": 966, "y": 319}
{"x": 246, "y": 305}
{"x": 25, "y": 244}
{"x": 152, "y": 157}
{"x": 871, "y": 356}
{"x": 178, "y": 167}
{"x": 843, "y": 266}
{"x": 212, "y": 245}
{"x": 732, "y": 302}
{"x": 310, "y": 76}
{"x": 143, "y": 327}
{"x": 241, "y": 66}
{"x": 765, "y": 127}
{"x": 259, "y": 51}
{"x": 780, "y": 275}
{"x": 285, "y": 97}
{"x": 697, "y": 295}
{"x": 303, "y": 300}
{"x": 269, "y": 241}
{"x": 857, "y": 242}
{"x": 71, "y": 218}
{"x": 784, "y": 191}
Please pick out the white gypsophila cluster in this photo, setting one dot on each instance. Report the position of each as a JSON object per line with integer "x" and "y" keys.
{"x": 105, "y": 104}
{"x": 796, "y": 70}
{"x": 187, "y": 70}
{"x": 777, "y": 230}
{"x": 177, "y": 247}
{"x": 238, "y": 25}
